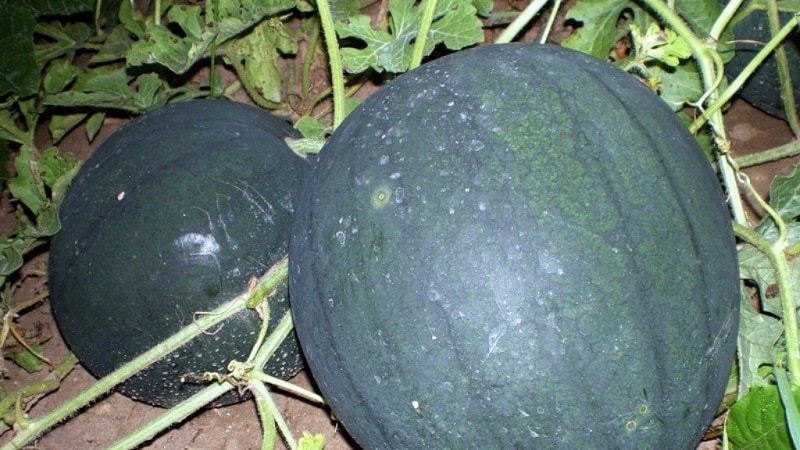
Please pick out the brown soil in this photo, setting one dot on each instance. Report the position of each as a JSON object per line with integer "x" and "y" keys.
{"x": 237, "y": 426}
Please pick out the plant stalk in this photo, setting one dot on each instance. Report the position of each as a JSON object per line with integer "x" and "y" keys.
{"x": 514, "y": 28}
{"x": 203, "y": 322}
{"x": 174, "y": 415}
{"x": 335, "y": 60}
{"x": 773, "y": 154}
{"x": 711, "y": 70}
{"x": 422, "y": 36}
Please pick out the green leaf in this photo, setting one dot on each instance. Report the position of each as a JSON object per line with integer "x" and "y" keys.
{"x": 789, "y": 405}
{"x": 257, "y": 55}
{"x": 93, "y": 125}
{"x": 11, "y": 255}
{"x": 455, "y": 25}
{"x": 190, "y": 19}
{"x": 311, "y": 441}
{"x": 57, "y": 7}
{"x": 53, "y": 166}
{"x": 61, "y": 124}
{"x": 27, "y": 185}
{"x": 163, "y": 47}
{"x": 59, "y": 75}
{"x": 27, "y": 360}
{"x": 116, "y": 45}
{"x": 758, "y": 335}
{"x": 599, "y": 19}
{"x": 758, "y": 420}
{"x": 19, "y": 73}
{"x": 679, "y": 84}
{"x": 784, "y": 195}
{"x": 147, "y": 92}
{"x": 68, "y": 39}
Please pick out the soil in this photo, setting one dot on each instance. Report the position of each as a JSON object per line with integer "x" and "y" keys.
{"x": 237, "y": 426}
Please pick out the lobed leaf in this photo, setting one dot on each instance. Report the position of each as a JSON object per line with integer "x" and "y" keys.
{"x": 455, "y": 25}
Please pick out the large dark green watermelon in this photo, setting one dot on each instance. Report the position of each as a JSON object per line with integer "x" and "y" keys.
{"x": 516, "y": 247}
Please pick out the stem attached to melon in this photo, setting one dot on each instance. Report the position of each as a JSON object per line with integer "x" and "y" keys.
{"x": 204, "y": 322}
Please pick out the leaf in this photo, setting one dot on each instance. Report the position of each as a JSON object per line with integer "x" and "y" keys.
{"x": 599, "y": 18}
{"x": 93, "y": 125}
{"x": 68, "y": 39}
{"x": 789, "y": 405}
{"x": 601, "y": 28}
{"x": 59, "y": 75}
{"x": 190, "y": 19}
{"x": 455, "y": 25}
{"x": 257, "y": 56}
{"x": 11, "y": 255}
{"x": 27, "y": 185}
{"x": 61, "y": 124}
{"x": 163, "y": 47}
{"x": 679, "y": 84}
{"x": 758, "y": 421}
{"x": 53, "y": 166}
{"x": 116, "y": 45}
{"x": 311, "y": 441}
{"x": 19, "y": 73}
{"x": 57, "y": 7}
{"x": 758, "y": 335}
{"x": 784, "y": 195}
{"x": 27, "y": 360}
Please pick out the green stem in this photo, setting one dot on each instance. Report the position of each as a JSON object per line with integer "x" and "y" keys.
{"x": 266, "y": 415}
{"x": 212, "y": 75}
{"x": 48, "y": 384}
{"x": 202, "y": 323}
{"x": 335, "y": 61}
{"x": 513, "y": 29}
{"x": 268, "y": 406}
{"x": 782, "y": 63}
{"x": 174, "y": 415}
{"x": 773, "y": 154}
{"x": 711, "y": 71}
{"x": 724, "y": 18}
{"x": 422, "y": 35}
{"x": 736, "y": 84}
{"x": 550, "y": 21}
{"x": 288, "y": 387}
{"x": 774, "y": 252}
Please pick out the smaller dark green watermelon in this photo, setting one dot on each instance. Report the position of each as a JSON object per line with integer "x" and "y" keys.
{"x": 763, "y": 89}
{"x": 173, "y": 214}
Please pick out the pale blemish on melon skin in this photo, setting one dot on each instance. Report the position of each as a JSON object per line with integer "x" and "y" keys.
{"x": 381, "y": 197}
